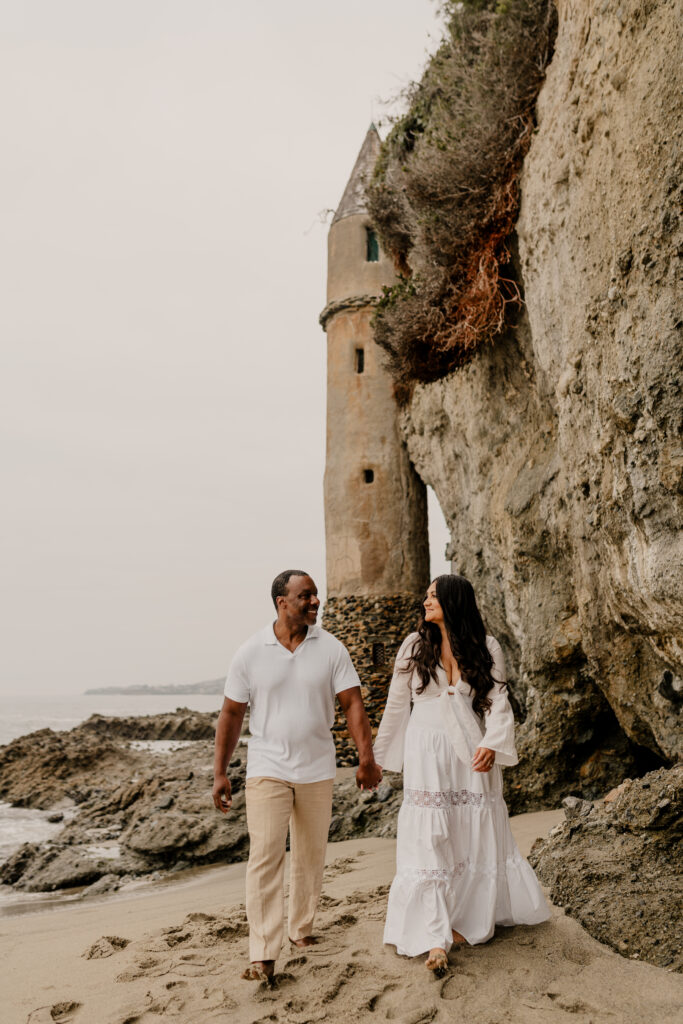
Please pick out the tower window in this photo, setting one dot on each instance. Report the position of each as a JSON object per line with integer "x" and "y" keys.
{"x": 368, "y": 475}
{"x": 379, "y": 656}
{"x": 360, "y": 360}
{"x": 371, "y": 246}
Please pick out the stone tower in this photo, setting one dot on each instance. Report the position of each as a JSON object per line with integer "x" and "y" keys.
{"x": 375, "y": 503}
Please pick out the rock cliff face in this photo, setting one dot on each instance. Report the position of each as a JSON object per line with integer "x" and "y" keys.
{"x": 556, "y": 455}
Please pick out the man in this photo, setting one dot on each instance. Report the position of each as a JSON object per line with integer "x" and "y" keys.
{"x": 289, "y": 673}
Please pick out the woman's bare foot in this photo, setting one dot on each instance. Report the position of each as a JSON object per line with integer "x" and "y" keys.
{"x": 308, "y": 940}
{"x": 260, "y": 970}
{"x": 437, "y": 961}
{"x": 458, "y": 939}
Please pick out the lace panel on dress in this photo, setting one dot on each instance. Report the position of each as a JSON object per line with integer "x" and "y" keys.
{"x": 435, "y": 874}
{"x": 445, "y": 798}
{"x": 448, "y": 875}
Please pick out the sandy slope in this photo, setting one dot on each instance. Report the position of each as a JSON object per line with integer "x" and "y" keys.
{"x": 187, "y": 945}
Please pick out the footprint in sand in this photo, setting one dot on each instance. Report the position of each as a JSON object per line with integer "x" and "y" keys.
{"x": 182, "y": 1002}
{"x": 269, "y": 991}
{"x": 201, "y": 930}
{"x": 375, "y": 1002}
{"x": 340, "y": 866}
{"x": 297, "y": 961}
{"x": 420, "y": 1016}
{"x": 326, "y": 902}
{"x": 343, "y": 921}
{"x": 373, "y": 896}
{"x": 107, "y": 945}
{"x": 176, "y": 936}
{"x": 58, "y": 1013}
{"x": 339, "y": 982}
{"x": 458, "y": 986}
{"x": 189, "y": 965}
{"x": 217, "y": 999}
{"x": 147, "y": 967}
{"x": 297, "y": 1011}
{"x": 159, "y": 1006}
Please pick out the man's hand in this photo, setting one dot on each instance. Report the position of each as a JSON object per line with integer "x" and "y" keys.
{"x": 222, "y": 793}
{"x": 227, "y": 736}
{"x": 369, "y": 775}
{"x": 483, "y": 760}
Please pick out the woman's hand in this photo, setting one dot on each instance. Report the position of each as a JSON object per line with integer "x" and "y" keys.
{"x": 483, "y": 759}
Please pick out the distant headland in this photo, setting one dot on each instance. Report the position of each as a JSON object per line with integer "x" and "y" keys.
{"x": 209, "y": 686}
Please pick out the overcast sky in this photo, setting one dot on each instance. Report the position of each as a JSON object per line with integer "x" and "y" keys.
{"x": 162, "y": 265}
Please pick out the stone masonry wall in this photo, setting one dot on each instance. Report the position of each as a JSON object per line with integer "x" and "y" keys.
{"x": 373, "y": 629}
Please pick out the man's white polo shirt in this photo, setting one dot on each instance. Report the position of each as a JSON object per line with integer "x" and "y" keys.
{"x": 292, "y": 702}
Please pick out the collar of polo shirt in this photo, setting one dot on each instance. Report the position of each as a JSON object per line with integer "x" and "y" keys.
{"x": 270, "y": 638}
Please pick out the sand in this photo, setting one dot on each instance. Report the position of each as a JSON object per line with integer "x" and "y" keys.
{"x": 176, "y": 951}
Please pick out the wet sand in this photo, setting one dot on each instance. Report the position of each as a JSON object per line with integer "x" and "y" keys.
{"x": 177, "y": 951}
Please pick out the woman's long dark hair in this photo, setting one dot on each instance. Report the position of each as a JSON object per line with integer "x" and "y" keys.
{"x": 467, "y": 636}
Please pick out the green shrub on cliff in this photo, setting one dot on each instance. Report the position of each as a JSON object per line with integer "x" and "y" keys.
{"x": 445, "y": 195}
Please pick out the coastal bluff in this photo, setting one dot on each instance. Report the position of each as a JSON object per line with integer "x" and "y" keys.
{"x": 555, "y": 453}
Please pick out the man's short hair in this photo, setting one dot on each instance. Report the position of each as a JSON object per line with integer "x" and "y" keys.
{"x": 279, "y": 587}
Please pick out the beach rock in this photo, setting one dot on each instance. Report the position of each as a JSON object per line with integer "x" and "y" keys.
{"x": 356, "y": 813}
{"x": 64, "y": 868}
{"x": 105, "y": 884}
{"x": 166, "y": 833}
{"x": 181, "y": 724}
{"x": 139, "y": 812}
{"x": 615, "y": 866}
{"x": 18, "y": 864}
{"x": 43, "y": 767}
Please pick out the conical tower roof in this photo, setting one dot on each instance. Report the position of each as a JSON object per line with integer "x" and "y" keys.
{"x": 353, "y": 201}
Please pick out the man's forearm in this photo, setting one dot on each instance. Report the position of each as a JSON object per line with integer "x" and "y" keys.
{"x": 359, "y": 727}
{"x": 228, "y": 732}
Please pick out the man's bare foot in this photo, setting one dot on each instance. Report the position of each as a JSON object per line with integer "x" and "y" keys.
{"x": 308, "y": 940}
{"x": 260, "y": 970}
{"x": 458, "y": 939}
{"x": 437, "y": 961}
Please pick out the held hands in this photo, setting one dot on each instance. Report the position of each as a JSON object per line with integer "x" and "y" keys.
{"x": 222, "y": 793}
{"x": 483, "y": 759}
{"x": 369, "y": 775}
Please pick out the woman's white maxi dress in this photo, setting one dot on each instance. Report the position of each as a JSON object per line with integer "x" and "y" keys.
{"x": 457, "y": 864}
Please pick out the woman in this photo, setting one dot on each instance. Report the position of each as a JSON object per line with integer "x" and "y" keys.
{"x": 458, "y": 869}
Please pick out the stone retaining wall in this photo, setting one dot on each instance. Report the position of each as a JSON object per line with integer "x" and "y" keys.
{"x": 372, "y": 628}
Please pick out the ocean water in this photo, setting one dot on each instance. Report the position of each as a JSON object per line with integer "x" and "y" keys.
{"x": 20, "y": 715}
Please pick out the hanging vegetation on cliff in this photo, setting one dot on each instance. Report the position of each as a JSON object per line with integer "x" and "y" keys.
{"x": 444, "y": 196}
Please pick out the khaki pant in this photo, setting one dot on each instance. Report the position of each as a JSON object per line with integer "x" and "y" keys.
{"x": 273, "y": 806}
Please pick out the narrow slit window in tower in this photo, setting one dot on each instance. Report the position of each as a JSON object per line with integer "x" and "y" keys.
{"x": 368, "y": 475}
{"x": 360, "y": 360}
{"x": 379, "y": 657}
{"x": 371, "y": 246}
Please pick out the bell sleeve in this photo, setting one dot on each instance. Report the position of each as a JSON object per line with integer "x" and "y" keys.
{"x": 499, "y": 721}
{"x": 388, "y": 748}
